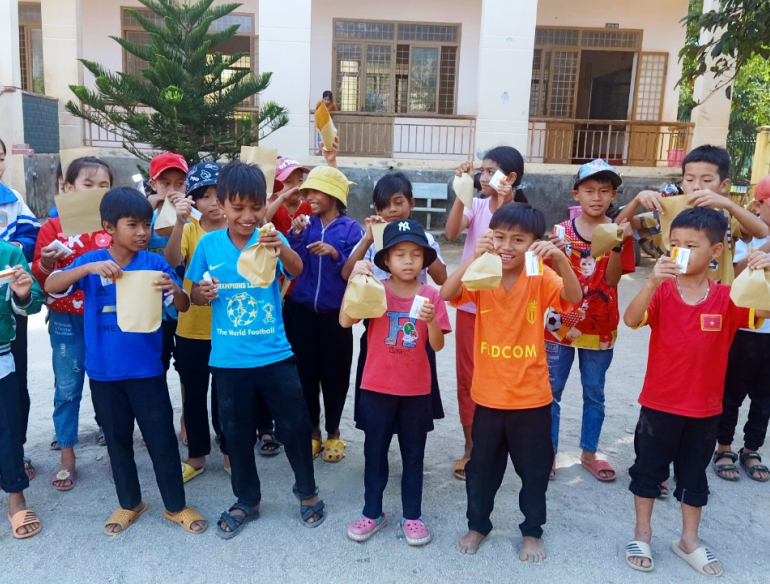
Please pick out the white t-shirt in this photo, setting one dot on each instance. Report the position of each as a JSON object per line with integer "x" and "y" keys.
{"x": 422, "y": 277}
{"x": 741, "y": 253}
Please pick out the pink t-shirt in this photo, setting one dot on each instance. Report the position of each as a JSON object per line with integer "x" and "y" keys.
{"x": 479, "y": 216}
{"x": 396, "y": 359}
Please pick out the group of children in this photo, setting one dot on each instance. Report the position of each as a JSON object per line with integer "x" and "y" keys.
{"x": 271, "y": 352}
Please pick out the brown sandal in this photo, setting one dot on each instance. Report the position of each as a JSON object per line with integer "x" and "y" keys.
{"x": 186, "y": 517}
{"x": 460, "y": 468}
{"x": 24, "y": 518}
{"x": 124, "y": 518}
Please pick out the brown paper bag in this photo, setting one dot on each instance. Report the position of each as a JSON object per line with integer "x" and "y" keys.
{"x": 605, "y": 237}
{"x": 67, "y": 155}
{"x": 264, "y": 159}
{"x": 79, "y": 211}
{"x": 672, "y": 206}
{"x": 378, "y": 230}
{"x": 463, "y": 188}
{"x": 166, "y": 219}
{"x": 139, "y": 301}
{"x": 325, "y": 126}
{"x": 257, "y": 263}
{"x": 485, "y": 273}
{"x": 365, "y": 297}
{"x": 751, "y": 289}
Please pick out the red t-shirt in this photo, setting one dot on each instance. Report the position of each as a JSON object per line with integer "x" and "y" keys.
{"x": 396, "y": 358}
{"x": 282, "y": 220}
{"x": 593, "y": 324}
{"x": 688, "y": 351}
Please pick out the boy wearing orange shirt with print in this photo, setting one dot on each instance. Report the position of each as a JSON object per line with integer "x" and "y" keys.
{"x": 510, "y": 378}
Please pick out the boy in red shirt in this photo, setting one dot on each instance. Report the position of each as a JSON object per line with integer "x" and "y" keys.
{"x": 693, "y": 322}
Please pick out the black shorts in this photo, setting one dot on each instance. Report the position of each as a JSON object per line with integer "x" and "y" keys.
{"x": 663, "y": 438}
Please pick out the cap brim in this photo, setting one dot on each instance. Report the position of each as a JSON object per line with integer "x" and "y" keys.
{"x": 614, "y": 178}
{"x": 167, "y": 167}
{"x": 286, "y": 172}
{"x": 429, "y": 255}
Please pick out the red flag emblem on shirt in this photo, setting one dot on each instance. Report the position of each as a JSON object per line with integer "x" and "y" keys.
{"x": 711, "y": 322}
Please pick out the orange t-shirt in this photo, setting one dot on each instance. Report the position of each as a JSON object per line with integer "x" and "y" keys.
{"x": 510, "y": 369}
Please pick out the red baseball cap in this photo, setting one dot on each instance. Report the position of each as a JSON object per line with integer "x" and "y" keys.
{"x": 762, "y": 190}
{"x": 285, "y": 166}
{"x": 165, "y": 161}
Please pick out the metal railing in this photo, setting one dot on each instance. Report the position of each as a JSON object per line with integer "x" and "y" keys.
{"x": 620, "y": 142}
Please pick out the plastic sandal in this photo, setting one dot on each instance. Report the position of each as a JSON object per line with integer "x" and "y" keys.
{"x": 307, "y": 511}
{"x": 460, "y": 468}
{"x": 189, "y": 473}
{"x": 186, "y": 517}
{"x": 721, "y": 468}
{"x": 364, "y": 528}
{"x": 597, "y": 466}
{"x": 235, "y": 523}
{"x": 55, "y": 443}
{"x": 24, "y": 518}
{"x": 698, "y": 559}
{"x": 63, "y": 475}
{"x": 639, "y": 549}
{"x": 269, "y": 447}
{"x": 316, "y": 447}
{"x": 29, "y": 468}
{"x": 125, "y": 518}
{"x": 752, "y": 470}
{"x": 415, "y": 531}
{"x": 334, "y": 450}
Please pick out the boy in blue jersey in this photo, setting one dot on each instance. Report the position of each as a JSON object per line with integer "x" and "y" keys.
{"x": 128, "y": 381}
{"x": 250, "y": 356}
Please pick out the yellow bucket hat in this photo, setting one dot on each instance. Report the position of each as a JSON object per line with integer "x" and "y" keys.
{"x": 330, "y": 181}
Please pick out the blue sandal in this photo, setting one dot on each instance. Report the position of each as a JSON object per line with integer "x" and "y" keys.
{"x": 235, "y": 522}
{"x": 307, "y": 511}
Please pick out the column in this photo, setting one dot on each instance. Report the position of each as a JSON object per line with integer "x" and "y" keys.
{"x": 61, "y": 50}
{"x": 712, "y": 117}
{"x": 284, "y": 50}
{"x": 11, "y": 118}
{"x": 504, "y": 73}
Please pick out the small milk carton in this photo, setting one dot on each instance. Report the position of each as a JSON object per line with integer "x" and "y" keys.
{"x": 681, "y": 255}
{"x": 533, "y": 264}
{"x": 417, "y": 305}
{"x": 497, "y": 179}
{"x": 559, "y": 231}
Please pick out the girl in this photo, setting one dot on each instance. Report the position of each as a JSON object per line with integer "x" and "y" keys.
{"x": 398, "y": 346}
{"x": 65, "y": 314}
{"x": 287, "y": 204}
{"x": 476, "y": 220}
{"x": 323, "y": 348}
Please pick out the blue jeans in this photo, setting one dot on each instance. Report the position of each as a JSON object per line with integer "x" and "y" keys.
{"x": 69, "y": 353}
{"x": 593, "y": 368}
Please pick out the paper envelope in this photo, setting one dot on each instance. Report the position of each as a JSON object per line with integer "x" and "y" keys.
{"x": 139, "y": 301}
{"x": 79, "y": 211}
{"x": 257, "y": 263}
{"x": 751, "y": 289}
{"x": 67, "y": 155}
{"x": 365, "y": 297}
{"x": 463, "y": 188}
{"x": 378, "y": 230}
{"x": 672, "y": 206}
{"x": 324, "y": 124}
{"x": 485, "y": 273}
{"x": 264, "y": 159}
{"x": 604, "y": 238}
{"x": 166, "y": 219}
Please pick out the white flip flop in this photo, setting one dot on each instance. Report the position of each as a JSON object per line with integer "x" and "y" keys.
{"x": 697, "y": 559}
{"x": 639, "y": 549}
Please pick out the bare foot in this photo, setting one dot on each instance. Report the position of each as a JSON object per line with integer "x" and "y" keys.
{"x": 115, "y": 528}
{"x": 712, "y": 569}
{"x": 552, "y": 475}
{"x": 646, "y": 537}
{"x": 29, "y": 469}
{"x": 226, "y": 461}
{"x": 730, "y": 475}
{"x": 589, "y": 458}
{"x": 470, "y": 542}
{"x": 532, "y": 550}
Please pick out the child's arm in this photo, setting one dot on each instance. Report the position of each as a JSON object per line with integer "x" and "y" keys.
{"x": 435, "y": 334}
{"x": 361, "y": 267}
{"x": 272, "y": 209}
{"x": 292, "y": 263}
{"x": 665, "y": 268}
{"x": 647, "y": 199}
{"x": 759, "y": 260}
{"x": 296, "y": 237}
{"x": 62, "y": 280}
{"x": 743, "y": 264}
{"x": 457, "y": 221}
{"x": 339, "y": 255}
{"x": 614, "y": 265}
{"x": 27, "y": 229}
{"x": 453, "y": 287}
{"x": 359, "y": 252}
{"x": 572, "y": 292}
{"x": 204, "y": 292}
{"x": 173, "y": 252}
{"x": 751, "y": 224}
{"x": 181, "y": 299}
{"x": 27, "y": 297}
{"x": 437, "y": 271}
{"x": 331, "y": 155}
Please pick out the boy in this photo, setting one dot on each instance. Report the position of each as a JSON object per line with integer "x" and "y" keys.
{"x": 692, "y": 321}
{"x": 23, "y": 296}
{"x": 250, "y": 355}
{"x": 510, "y": 376}
{"x": 748, "y": 372}
{"x": 705, "y": 173}
{"x": 591, "y": 327}
{"x": 127, "y": 378}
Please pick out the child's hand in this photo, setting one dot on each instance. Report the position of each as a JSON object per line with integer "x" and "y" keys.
{"x": 155, "y": 200}
{"x": 504, "y": 193}
{"x": 427, "y": 312}
{"x": 209, "y": 289}
{"x": 557, "y": 241}
{"x": 184, "y": 207}
{"x": 759, "y": 260}
{"x": 625, "y": 226}
{"x": 271, "y": 239}
{"x": 49, "y": 255}
{"x": 166, "y": 283}
{"x": 546, "y": 250}
{"x": 286, "y": 193}
{"x": 299, "y": 224}
{"x": 465, "y": 167}
{"x": 21, "y": 283}
{"x": 664, "y": 269}
{"x": 331, "y": 155}
{"x": 368, "y": 224}
{"x": 484, "y": 244}
{"x": 173, "y": 196}
{"x": 320, "y": 248}
{"x": 710, "y": 199}
{"x": 650, "y": 200}
{"x": 108, "y": 268}
{"x": 362, "y": 267}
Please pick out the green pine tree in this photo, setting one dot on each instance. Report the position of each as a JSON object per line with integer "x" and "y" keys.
{"x": 185, "y": 100}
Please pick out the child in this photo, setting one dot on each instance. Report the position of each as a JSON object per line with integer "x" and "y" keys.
{"x": 592, "y": 326}
{"x": 476, "y": 219}
{"x": 705, "y": 173}
{"x": 692, "y": 321}
{"x": 65, "y": 314}
{"x": 387, "y": 404}
{"x": 288, "y": 204}
{"x": 393, "y": 201}
{"x": 126, "y": 372}
{"x": 324, "y": 349}
{"x": 747, "y": 374}
{"x": 193, "y": 334}
{"x": 250, "y": 355}
{"x": 19, "y": 227}
{"x": 21, "y": 295}
{"x": 510, "y": 378}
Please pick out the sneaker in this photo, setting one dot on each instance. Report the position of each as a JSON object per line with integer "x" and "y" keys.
{"x": 415, "y": 531}
{"x": 364, "y": 528}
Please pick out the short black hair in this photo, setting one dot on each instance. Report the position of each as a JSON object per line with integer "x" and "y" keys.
{"x": 85, "y": 164}
{"x": 521, "y": 215}
{"x": 328, "y": 94}
{"x": 711, "y": 222}
{"x": 199, "y": 192}
{"x": 715, "y": 155}
{"x": 389, "y": 185}
{"x": 603, "y": 178}
{"x": 238, "y": 180}
{"x": 124, "y": 202}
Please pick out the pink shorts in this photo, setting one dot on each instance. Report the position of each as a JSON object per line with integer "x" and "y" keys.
{"x": 464, "y": 329}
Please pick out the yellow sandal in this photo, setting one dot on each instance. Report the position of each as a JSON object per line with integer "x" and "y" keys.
{"x": 186, "y": 517}
{"x": 334, "y": 450}
{"x": 316, "y": 447}
{"x": 124, "y": 518}
{"x": 189, "y": 473}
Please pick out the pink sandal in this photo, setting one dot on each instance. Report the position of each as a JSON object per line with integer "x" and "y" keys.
{"x": 364, "y": 528}
{"x": 415, "y": 531}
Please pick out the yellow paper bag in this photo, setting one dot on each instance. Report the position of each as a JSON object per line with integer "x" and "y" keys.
{"x": 604, "y": 238}
{"x": 139, "y": 301}
{"x": 485, "y": 273}
{"x": 79, "y": 211}
{"x": 264, "y": 159}
{"x": 67, "y": 155}
{"x": 378, "y": 230}
{"x": 463, "y": 188}
{"x": 257, "y": 263}
{"x": 751, "y": 289}
{"x": 166, "y": 219}
{"x": 365, "y": 297}
{"x": 672, "y": 206}
{"x": 324, "y": 124}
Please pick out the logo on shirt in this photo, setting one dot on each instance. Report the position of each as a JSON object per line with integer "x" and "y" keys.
{"x": 532, "y": 311}
{"x": 3, "y": 219}
{"x": 242, "y": 309}
{"x": 711, "y": 322}
{"x": 212, "y": 268}
{"x": 407, "y": 329}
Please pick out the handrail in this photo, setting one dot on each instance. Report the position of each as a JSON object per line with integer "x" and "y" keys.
{"x": 614, "y": 122}
{"x": 426, "y": 115}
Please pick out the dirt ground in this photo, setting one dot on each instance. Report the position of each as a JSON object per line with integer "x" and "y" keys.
{"x": 589, "y": 522}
